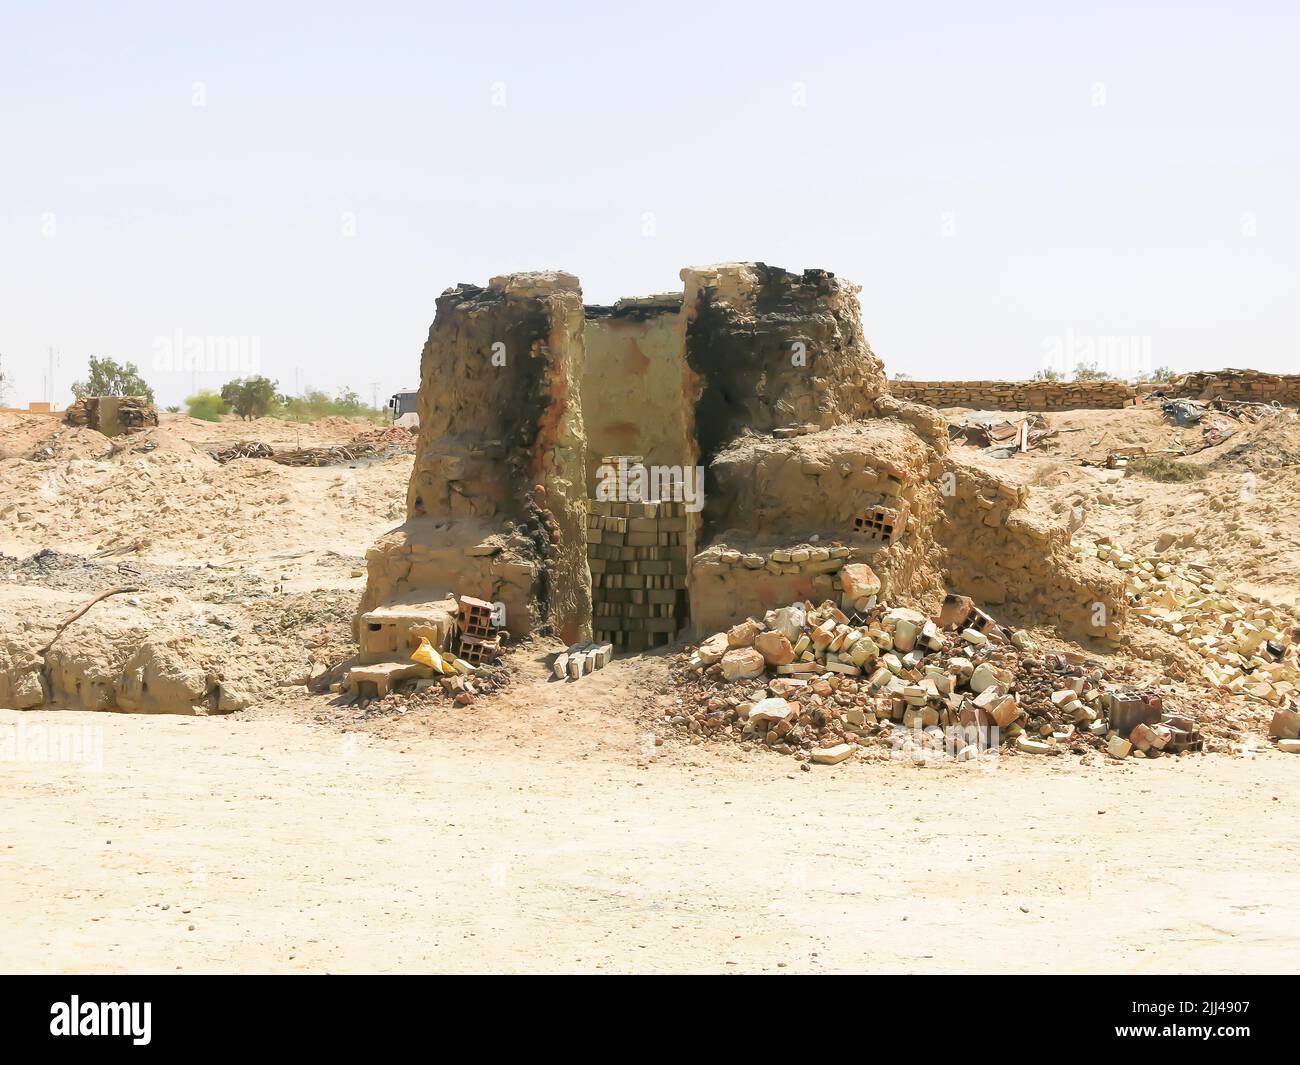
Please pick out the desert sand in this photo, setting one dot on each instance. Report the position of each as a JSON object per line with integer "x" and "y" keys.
{"x": 553, "y": 827}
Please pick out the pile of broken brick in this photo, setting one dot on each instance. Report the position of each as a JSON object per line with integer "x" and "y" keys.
{"x": 425, "y": 692}
{"x": 1250, "y": 648}
{"x": 822, "y": 683}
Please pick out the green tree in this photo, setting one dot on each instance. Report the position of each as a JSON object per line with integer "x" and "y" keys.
{"x": 1164, "y": 374}
{"x": 207, "y": 406}
{"x": 316, "y": 404}
{"x": 250, "y": 397}
{"x": 4, "y": 382}
{"x": 108, "y": 378}
{"x": 1088, "y": 371}
{"x": 1048, "y": 374}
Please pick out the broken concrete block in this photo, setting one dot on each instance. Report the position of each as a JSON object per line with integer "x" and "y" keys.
{"x": 1118, "y": 747}
{"x": 742, "y": 663}
{"x": 560, "y": 667}
{"x": 858, "y": 580}
{"x": 983, "y": 676}
{"x": 1144, "y": 737}
{"x": 824, "y": 633}
{"x": 1022, "y": 641}
{"x": 974, "y": 637}
{"x": 712, "y": 649}
{"x": 789, "y": 621}
{"x": 955, "y": 610}
{"x": 864, "y": 649}
{"x": 1285, "y": 725}
{"x": 1024, "y": 743}
{"x": 770, "y": 711}
{"x": 832, "y": 755}
{"x": 230, "y": 698}
{"x": 1289, "y": 746}
{"x": 774, "y": 647}
{"x": 1004, "y": 711}
{"x": 743, "y": 634}
{"x": 1126, "y": 711}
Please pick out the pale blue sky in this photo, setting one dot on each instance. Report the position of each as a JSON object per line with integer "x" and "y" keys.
{"x": 1003, "y": 183}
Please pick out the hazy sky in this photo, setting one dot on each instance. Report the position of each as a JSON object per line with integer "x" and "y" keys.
{"x": 1006, "y": 185}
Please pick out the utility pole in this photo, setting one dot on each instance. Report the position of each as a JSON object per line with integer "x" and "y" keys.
{"x": 374, "y": 394}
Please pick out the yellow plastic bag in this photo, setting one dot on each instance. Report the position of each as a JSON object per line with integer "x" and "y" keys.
{"x": 427, "y": 655}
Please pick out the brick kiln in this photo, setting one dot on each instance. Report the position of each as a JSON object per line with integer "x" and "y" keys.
{"x": 761, "y": 378}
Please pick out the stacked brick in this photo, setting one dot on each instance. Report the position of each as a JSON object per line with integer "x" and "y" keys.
{"x": 637, "y": 555}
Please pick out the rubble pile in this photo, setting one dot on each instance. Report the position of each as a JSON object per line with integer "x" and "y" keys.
{"x": 461, "y": 689}
{"x": 1250, "y": 648}
{"x": 369, "y": 445}
{"x": 820, "y": 683}
{"x": 394, "y": 436}
{"x": 1239, "y": 385}
{"x": 999, "y": 437}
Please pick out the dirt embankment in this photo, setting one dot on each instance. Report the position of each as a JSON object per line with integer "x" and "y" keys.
{"x": 1238, "y": 517}
{"x": 241, "y": 576}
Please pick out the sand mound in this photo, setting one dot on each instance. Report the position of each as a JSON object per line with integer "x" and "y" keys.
{"x": 160, "y": 494}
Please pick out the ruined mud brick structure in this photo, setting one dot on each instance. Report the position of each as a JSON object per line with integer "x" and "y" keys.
{"x": 496, "y": 506}
{"x": 112, "y": 415}
{"x": 762, "y": 377}
{"x": 1239, "y": 385}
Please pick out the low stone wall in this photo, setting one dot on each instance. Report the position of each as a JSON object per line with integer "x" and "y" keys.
{"x": 1017, "y": 395}
{"x": 1246, "y": 385}
{"x": 1249, "y": 385}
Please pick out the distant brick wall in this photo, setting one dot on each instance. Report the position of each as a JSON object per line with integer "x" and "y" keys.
{"x": 1017, "y": 395}
{"x": 1248, "y": 385}
{"x": 31, "y": 408}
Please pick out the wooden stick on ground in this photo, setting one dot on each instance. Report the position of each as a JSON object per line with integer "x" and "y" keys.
{"x": 81, "y": 610}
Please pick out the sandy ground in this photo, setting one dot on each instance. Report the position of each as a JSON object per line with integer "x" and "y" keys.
{"x": 539, "y": 829}
{"x": 208, "y": 844}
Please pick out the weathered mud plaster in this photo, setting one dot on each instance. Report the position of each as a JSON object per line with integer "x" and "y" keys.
{"x": 773, "y": 350}
{"x": 497, "y": 501}
{"x": 636, "y": 398}
{"x": 760, "y": 375}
